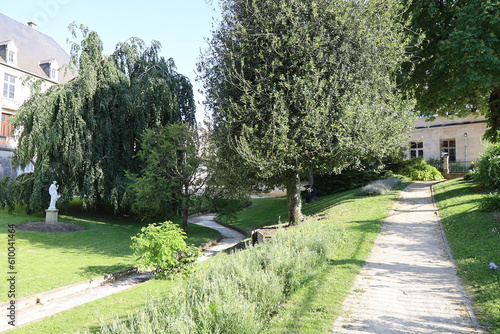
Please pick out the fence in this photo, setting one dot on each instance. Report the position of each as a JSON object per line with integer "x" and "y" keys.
{"x": 453, "y": 166}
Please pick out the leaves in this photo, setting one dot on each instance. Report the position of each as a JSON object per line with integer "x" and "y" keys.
{"x": 303, "y": 86}
{"x": 85, "y": 133}
{"x": 455, "y": 66}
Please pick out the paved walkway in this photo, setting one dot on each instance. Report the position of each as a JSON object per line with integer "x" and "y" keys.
{"x": 409, "y": 283}
{"x": 41, "y": 305}
{"x": 229, "y": 239}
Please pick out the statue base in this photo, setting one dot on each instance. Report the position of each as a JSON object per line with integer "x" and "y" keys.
{"x": 51, "y": 216}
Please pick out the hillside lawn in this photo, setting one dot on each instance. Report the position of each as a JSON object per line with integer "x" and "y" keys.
{"x": 45, "y": 261}
{"x": 474, "y": 238}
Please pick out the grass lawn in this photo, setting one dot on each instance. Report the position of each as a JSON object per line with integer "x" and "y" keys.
{"x": 474, "y": 238}
{"x": 45, "y": 261}
{"x": 311, "y": 310}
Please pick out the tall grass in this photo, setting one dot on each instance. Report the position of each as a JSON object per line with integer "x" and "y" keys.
{"x": 239, "y": 293}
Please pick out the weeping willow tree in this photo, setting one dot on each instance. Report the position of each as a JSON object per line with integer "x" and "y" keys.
{"x": 85, "y": 133}
{"x": 301, "y": 86}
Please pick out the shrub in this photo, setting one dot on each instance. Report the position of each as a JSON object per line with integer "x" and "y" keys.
{"x": 163, "y": 248}
{"x": 379, "y": 187}
{"x": 347, "y": 180}
{"x": 6, "y": 194}
{"x": 490, "y": 203}
{"x": 418, "y": 170}
{"x": 487, "y": 169}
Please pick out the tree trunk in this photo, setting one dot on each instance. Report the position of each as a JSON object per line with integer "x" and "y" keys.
{"x": 294, "y": 200}
{"x": 185, "y": 208}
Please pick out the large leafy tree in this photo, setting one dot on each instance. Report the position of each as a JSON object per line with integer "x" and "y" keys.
{"x": 455, "y": 64}
{"x": 301, "y": 86}
{"x": 85, "y": 133}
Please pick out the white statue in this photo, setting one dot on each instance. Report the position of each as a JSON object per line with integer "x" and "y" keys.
{"x": 54, "y": 195}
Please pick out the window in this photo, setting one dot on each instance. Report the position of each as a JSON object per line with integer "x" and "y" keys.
{"x": 6, "y": 129}
{"x": 11, "y": 57}
{"x": 416, "y": 149}
{"x": 448, "y": 147}
{"x": 9, "y": 86}
{"x": 53, "y": 73}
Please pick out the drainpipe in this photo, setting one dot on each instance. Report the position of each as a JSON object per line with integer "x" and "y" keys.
{"x": 465, "y": 145}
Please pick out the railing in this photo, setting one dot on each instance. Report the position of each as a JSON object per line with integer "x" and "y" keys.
{"x": 453, "y": 166}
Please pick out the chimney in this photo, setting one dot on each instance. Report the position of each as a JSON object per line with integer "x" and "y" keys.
{"x": 32, "y": 25}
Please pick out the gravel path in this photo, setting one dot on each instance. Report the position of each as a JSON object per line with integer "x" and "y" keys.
{"x": 409, "y": 282}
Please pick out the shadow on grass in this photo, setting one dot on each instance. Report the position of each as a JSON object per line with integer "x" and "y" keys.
{"x": 98, "y": 270}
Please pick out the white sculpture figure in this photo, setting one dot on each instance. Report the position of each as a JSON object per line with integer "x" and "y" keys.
{"x": 54, "y": 195}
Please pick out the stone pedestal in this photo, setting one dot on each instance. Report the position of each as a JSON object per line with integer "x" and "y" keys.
{"x": 51, "y": 216}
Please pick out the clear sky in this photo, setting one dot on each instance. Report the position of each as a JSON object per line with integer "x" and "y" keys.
{"x": 181, "y": 26}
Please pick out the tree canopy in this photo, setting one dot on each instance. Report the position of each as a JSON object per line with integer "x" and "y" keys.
{"x": 85, "y": 133}
{"x": 300, "y": 86}
{"x": 455, "y": 64}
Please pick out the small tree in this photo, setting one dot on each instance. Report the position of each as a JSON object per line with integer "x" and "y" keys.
{"x": 173, "y": 172}
{"x": 163, "y": 248}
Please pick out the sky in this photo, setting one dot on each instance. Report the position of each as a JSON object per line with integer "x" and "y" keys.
{"x": 181, "y": 26}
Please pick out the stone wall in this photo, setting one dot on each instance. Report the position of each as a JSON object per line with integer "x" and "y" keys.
{"x": 6, "y": 168}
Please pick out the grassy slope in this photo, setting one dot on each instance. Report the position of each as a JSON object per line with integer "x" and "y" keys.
{"x": 474, "y": 238}
{"x": 45, "y": 261}
{"x": 312, "y": 310}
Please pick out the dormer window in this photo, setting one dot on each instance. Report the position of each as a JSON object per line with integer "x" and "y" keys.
{"x": 8, "y": 51}
{"x": 50, "y": 68}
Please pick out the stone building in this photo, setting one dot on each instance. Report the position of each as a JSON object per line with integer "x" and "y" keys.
{"x": 458, "y": 138}
{"x": 24, "y": 52}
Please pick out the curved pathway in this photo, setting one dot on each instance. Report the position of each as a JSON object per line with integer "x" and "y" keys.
{"x": 409, "y": 282}
{"x": 41, "y": 305}
{"x": 229, "y": 237}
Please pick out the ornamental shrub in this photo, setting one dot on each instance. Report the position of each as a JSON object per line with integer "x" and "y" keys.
{"x": 162, "y": 248}
{"x": 487, "y": 169}
{"x": 418, "y": 170}
{"x": 490, "y": 203}
{"x": 379, "y": 187}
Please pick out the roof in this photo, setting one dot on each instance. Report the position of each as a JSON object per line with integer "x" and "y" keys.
{"x": 33, "y": 48}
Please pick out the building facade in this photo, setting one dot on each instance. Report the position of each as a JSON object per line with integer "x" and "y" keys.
{"x": 25, "y": 53}
{"x": 458, "y": 138}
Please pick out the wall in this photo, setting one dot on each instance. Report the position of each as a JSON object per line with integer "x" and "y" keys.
{"x": 468, "y": 147}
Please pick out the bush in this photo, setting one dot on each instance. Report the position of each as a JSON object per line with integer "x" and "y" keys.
{"x": 418, "y": 170}
{"x": 490, "y": 203}
{"x": 487, "y": 169}
{"x": 379, "y": 187}
{"x": 163, "y": 248}
{"x": 347, "y": 180}
{"x": 6, "y": 194}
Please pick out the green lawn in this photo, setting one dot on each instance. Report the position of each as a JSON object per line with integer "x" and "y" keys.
{"x": 311, "y": 310}
{"x": 45, "y": 261}
{"x": 474, "y": 238}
